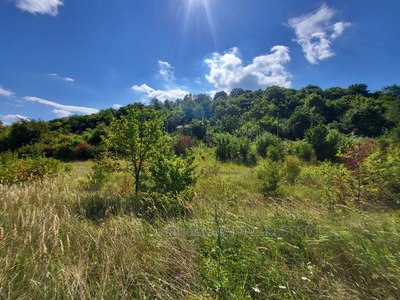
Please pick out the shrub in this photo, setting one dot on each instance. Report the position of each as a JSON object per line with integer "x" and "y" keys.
{"x": 270, "y": 176}
{"x": 18, "y": 170}
{"x": 264, "y": 141}
{"x": 222, "y": 150}
{"x": 353, "y": 158}
{"x": 382, "y": 175}
{"x": 302, "y": 149}
{"x": 325, "y": 142}
{"x": 276, "y": 152}
{"x": 235, "y": 149}
{"x": 183, "y": 144}
{"x": 171, "y": 173}
{"x": 82, "y": 150}
{"x": 291, "y": 169}
{"x": 31, "y": 150}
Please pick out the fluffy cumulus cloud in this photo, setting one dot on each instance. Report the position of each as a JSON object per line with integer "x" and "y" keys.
{"x": 166, "y": 71}
{"x": 49, "y": 7}
{"x": 227, "y": 70}
{"x": 316, "y": 31}
{"x": 6, "y": 93}
{"x": 61, "y": 110}
{"x": 69, "y": 79}
{"x": 149, "y": 93}
{"x": 8, "y": 119}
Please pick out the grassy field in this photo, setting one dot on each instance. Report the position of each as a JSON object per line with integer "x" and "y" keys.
{"x": 235, "y": 244}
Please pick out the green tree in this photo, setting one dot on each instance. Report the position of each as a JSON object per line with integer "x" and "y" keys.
{"x": 324, "y": 141}
{"x": 24, "y": 132}
{"x": 136, "y": 137}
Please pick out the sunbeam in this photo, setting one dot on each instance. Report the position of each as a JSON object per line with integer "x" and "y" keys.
{"x": 194, "y": 8}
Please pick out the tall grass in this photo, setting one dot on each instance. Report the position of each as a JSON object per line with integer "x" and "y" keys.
{"x": 237, "y": 244}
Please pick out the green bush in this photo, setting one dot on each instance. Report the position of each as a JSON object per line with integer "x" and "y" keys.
{"x": 269, "y": 175}
{"x": 18, "y": 170}
{"x": 229, "y": 147}
{"x": 291, "y": 169}
{"x": 170, "y": 173}
{"x": 276, "y": 152}
{"x": 302, "y": 149}
{"x": 223, "y": 150}
{"x": 264, "y": 141}
{"x": 31, "y": 150}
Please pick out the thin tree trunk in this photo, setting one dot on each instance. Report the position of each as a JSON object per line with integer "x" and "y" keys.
{"x": 137, "y": 176}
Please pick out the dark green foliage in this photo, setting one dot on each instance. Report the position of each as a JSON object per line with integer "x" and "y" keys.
{"x": 24, "y": 132}
{"x": 358, "y": 89}
{"x": 326, "y": 143}
{"x": 236, "y": 92}
{"x": 302, "y": 149}
{"x": 220, "y": 94}
{"x": 392, "y": 90}
{"x": 198, "y": 129}
{"x": 229, "y": 147}
{"x": 299, "y": 122}
{"x": 222, "y": 150}
{"x": 264, "y": 141}
{"x": 366, "y": 120}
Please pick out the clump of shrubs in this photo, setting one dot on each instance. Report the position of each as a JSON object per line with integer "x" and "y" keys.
{"x": 231, "y": 148}
{"x": 264, "y": 141}
{"x": 302, "y": 149}
{"x": 14, "y": 169}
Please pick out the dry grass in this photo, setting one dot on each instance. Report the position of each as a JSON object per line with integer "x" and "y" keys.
{"x": 238, "y": 244}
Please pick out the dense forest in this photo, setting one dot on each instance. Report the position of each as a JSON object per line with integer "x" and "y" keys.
{"x": 267, "y": 194}
{"x": 324, "y": 118}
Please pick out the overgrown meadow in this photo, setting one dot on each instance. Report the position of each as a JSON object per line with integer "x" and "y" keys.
{"x": 243, "y": 197}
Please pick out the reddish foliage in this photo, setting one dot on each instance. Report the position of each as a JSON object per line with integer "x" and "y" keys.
{"x": 82, "y": 150}
{"x": 183, "y": 144}
{"x": 352, "y": 157}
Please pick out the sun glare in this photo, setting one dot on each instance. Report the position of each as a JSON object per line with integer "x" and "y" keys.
{"x": 195, "y": 7}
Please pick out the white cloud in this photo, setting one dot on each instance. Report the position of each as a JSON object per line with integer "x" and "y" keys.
{"x": 49, "y": 7}
{"x": 116, "y": 106}
{"x": 166, "y": 71}
{"x": 62, "y": 110}
{"x": 5, "y": 92}
{"x": 227, "y": 70}
{"x": 315, "y": 33}
{"x": 150, "y": 93}
{"x": 8, "y": 119}
{"x": 61, "y": 113}
{"x": 69, "y": 79}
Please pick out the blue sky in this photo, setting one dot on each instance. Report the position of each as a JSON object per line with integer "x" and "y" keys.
{"x": 64, "y": 57}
